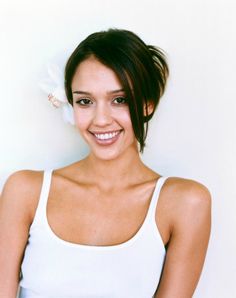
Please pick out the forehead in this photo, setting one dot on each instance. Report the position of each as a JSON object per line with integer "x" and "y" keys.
{"x": 91, "y": 73}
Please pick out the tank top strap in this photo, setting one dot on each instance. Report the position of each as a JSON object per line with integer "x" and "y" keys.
{"x": 40, "y": 214}
{"x": 155, "y": 197}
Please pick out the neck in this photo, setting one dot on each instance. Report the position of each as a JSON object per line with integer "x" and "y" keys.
{"x": 125, "y": 170}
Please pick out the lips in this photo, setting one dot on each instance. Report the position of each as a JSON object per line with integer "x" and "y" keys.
{"x": 106, "y": 138}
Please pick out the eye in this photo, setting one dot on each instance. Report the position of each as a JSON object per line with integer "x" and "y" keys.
{"x": 84, "y": 101}
{"x": 120, "y": 100}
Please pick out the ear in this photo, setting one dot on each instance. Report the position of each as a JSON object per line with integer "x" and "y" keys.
{"x": 148, "y": 109}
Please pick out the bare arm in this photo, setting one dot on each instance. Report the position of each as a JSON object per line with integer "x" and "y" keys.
{"x": 16, "y": 211}
{"x": 190, "y": 231}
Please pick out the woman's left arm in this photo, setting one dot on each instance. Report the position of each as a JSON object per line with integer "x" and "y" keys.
{"x": 190, "y": 232}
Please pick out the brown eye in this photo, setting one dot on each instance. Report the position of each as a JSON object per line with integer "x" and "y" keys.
{"x": 84, "y": 102}
{"x": 120, "y": 100}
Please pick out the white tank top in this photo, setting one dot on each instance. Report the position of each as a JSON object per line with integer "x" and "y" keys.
{"x": 55, "y": 268}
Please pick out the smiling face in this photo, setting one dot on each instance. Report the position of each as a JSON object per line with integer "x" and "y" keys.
{"x": 101, "y": 111}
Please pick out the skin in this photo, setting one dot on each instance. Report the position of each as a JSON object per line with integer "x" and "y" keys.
{"x": 114, "y": 180}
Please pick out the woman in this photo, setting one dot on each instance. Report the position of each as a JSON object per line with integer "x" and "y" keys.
{"x": 107, "y": 225}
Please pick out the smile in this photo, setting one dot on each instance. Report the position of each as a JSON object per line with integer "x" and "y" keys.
{"x": 106, "y": 138}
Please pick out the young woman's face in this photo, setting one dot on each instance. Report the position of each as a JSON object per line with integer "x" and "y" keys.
{"x": 101, "y": 111}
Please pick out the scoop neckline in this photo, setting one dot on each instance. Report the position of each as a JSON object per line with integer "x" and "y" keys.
{"x": 127, "y": 243}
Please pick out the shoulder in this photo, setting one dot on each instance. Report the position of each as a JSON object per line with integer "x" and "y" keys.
{"x": 188, "y": 201}
{"x": 24, "y": 181}
{"x": 21, "y": 192}
{"x": 187, "y": 224}
{"x": 186, "y": 192}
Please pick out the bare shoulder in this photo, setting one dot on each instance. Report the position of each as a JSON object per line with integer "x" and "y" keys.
{"x": 187, "y": 190}
{"x": 21, "y": 192}
{"x": 23, "y": 182}
{"x": 187, "y": 200}
{"x": 185, "y": 226}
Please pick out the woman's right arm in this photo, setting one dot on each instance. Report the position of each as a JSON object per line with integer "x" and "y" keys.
{"x": 17, "y": 207}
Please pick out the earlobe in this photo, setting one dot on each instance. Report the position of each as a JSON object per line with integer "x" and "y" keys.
{"x": 148, "y": 108}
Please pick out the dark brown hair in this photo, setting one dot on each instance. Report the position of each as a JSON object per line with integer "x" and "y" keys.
{"x": 142, "y": 70}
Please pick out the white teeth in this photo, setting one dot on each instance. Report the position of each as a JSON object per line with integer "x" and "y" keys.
{"x": 106, "y": 136}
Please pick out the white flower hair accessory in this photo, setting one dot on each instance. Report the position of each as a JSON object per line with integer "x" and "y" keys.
{"x": 54, "y": 87}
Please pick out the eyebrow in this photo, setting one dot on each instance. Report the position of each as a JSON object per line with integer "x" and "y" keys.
{"x": 88, "y": 93}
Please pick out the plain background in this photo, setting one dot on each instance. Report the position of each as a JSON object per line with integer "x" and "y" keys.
{"x": 192, "y": 134}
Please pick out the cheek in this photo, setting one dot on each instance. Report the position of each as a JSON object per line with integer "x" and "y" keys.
{"x": 122, "y": 114}
{"x": 81, "y": 119}
{"x": 125, "y": 119}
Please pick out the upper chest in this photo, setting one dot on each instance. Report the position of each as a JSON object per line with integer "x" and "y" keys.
{"x": 84, "y": 215}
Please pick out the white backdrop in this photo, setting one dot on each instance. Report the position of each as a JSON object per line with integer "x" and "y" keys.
{"x": 192, "y": 135}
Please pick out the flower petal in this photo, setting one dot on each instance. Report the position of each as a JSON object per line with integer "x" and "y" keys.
{"x": 55, "y": 74}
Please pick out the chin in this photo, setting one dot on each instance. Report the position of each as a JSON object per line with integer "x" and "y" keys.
{"x": 106, "y": 156}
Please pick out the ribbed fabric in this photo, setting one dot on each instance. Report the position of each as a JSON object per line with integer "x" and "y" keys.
{"x": 54, "y": 268}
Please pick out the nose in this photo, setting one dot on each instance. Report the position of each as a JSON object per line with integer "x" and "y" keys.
{"x": 102, "y": 115}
